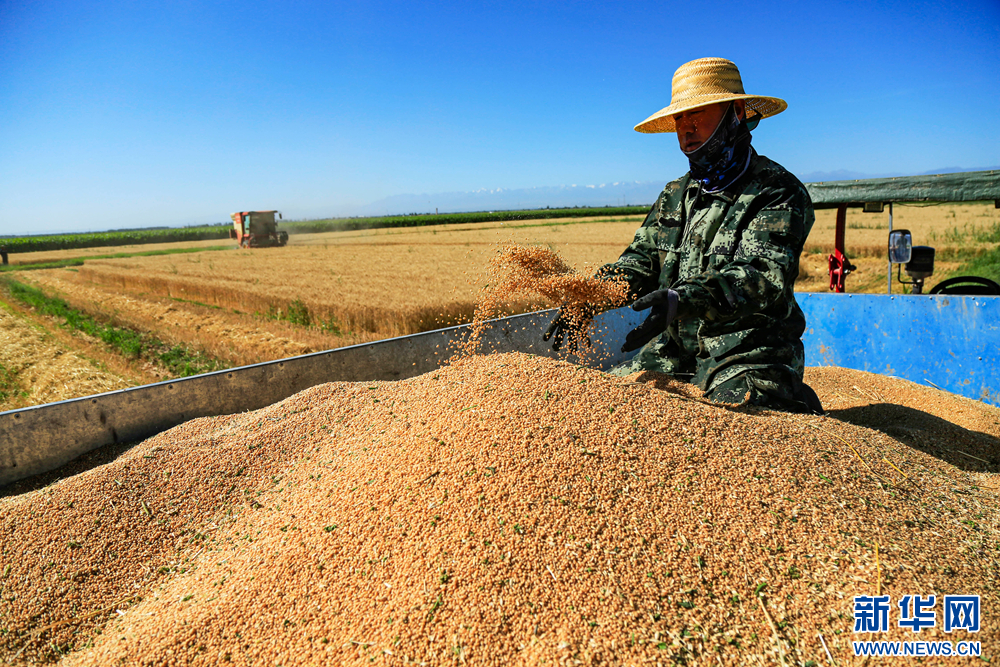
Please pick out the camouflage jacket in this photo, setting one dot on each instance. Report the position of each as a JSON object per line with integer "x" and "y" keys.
{"x": 733, "y": 257}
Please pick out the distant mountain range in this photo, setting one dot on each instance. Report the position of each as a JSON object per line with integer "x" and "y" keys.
{"x": 620, "y": 193}
{"x": 557, "y": 196}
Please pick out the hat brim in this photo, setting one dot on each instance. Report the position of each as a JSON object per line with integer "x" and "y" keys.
{"x": 757, "y": 105}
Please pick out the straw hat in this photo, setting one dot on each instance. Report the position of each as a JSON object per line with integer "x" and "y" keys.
{"x": 707, "y": 81}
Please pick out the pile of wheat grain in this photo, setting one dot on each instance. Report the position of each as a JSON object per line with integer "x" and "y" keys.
{"x": 506, "y": 509}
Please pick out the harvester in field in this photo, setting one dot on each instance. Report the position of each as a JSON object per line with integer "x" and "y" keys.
{"x": 257, "y": 229}
{"x": 949, "y": 339}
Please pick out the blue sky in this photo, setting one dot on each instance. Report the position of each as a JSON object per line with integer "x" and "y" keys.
{"x": 125, "y": 114}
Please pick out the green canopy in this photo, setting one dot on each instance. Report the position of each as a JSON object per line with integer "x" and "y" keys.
{"x": 965, "y": 186}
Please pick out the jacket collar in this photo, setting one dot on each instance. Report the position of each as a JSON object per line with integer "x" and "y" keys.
{"x": 731, "y": 192}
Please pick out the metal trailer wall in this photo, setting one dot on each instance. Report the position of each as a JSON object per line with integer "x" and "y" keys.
{"x": 949, "y": 342}
{"x": 944, "y": 341}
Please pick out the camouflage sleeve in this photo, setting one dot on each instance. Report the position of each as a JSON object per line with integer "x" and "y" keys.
{"x": 762, "y": 268}
{"x": 640, "y": 263}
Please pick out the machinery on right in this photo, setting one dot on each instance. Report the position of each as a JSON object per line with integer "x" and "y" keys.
{"x": 873, "y": 195}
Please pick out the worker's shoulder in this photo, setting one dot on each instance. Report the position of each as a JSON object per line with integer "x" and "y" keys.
{"x": 668, "y": 205}
{"x": 675, "y": 188}
{"x": 771, "y": 178}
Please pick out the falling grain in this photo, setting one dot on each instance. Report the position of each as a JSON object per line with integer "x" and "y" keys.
{"x": 518, "y": 271}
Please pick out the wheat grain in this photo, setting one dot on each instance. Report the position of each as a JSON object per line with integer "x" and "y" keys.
{"x": 463, "y": 515}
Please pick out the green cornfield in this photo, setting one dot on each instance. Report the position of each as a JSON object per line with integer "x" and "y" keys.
{"x": 102, "y": 239}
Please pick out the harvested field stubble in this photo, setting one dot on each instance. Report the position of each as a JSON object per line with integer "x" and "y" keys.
{"x": 238, "y": 339}
{"x": 39, "y": 370}
{"x": 506, "y": 509}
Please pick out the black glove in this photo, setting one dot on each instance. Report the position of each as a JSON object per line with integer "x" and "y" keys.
{"x": 568, "y": 327}
{"x": 664, "y": 309}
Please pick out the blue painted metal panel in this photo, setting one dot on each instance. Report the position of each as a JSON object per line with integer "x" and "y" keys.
{"x": 951, "y": 342}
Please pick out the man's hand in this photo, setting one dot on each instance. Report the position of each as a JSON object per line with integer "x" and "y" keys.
{"x": 569, "y": 326}
{"x": 664, "y": 309}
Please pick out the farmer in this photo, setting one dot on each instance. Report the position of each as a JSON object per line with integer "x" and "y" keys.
{"x": 716, "y": 259}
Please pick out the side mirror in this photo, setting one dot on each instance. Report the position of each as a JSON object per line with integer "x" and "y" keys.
{"x": 900, "y": 246}
{"x": 279, "y": 217}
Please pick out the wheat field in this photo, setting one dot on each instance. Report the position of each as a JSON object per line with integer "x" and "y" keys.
{"x": 324, "y": 291}
{"x": 358, "y": 285}
{"x": 399, "y": 281}
{"x": 393, "y": 282}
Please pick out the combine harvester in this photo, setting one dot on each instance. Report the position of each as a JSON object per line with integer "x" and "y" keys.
{"x": 257, "y": 229}
{"x": 950, "y": 341}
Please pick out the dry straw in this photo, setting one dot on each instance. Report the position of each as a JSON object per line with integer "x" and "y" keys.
{"x": 37, "y": 368}
{"x": 708, "y": 81}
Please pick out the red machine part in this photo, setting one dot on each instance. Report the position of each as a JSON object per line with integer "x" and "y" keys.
{"x": 840, "y": 266}
{"x": 244, "y": 233}
{"x": 239, "y": 230}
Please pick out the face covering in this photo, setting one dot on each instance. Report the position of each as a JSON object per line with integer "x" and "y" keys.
{"x": 722, "y": 159}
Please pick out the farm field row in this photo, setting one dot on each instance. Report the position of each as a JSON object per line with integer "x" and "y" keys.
{"x": 234, "y": 338}
{"x": 391, "y": 282}
{"x": 39, "y": 367}
{"x": 946, "y": 227}
{"x": 222, "y": 230}
{"x": 333, "y": 289}
{"x": 26, "y": 259}
{"x": 416, "y": 278}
